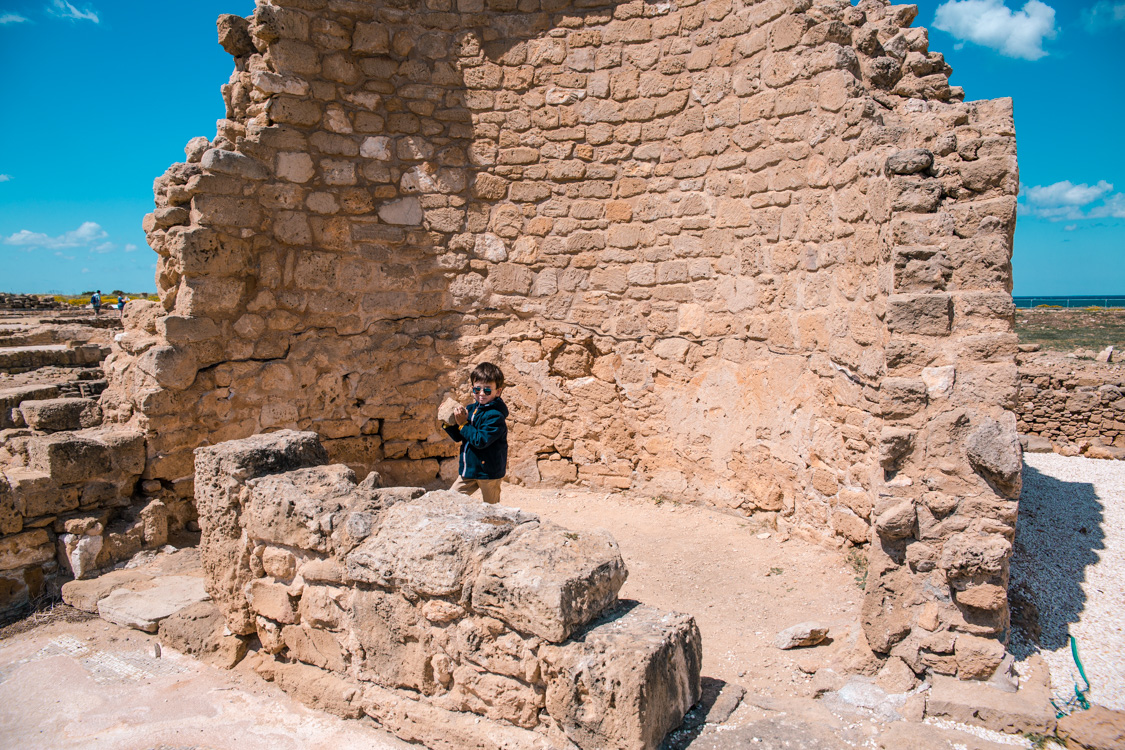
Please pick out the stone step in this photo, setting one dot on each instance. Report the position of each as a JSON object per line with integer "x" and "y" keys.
{"x": 15, "y": 359}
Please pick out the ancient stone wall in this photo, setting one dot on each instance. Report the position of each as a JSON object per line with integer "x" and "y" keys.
{"x": 751, "y": 253}
{"x": 402, "y": 597}
{"x": 1078, "y": 406}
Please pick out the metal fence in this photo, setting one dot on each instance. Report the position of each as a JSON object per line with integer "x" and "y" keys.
{"x": 1068, "y": 302}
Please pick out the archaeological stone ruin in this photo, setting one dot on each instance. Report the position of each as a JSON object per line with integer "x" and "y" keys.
{"x": 396, "y": 601}
{"x": 749, "y": 254}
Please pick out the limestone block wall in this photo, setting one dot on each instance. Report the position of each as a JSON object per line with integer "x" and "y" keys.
{"x": 403, "y": 597}
{"x": 1076, "y": 405}
{"x": 751, "y": 253}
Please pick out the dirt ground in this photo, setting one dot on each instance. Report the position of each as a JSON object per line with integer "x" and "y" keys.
{"x": 741, "y": 588}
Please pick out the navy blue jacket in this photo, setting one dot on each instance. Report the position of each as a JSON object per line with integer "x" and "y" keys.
{"x": 484, "y": 441}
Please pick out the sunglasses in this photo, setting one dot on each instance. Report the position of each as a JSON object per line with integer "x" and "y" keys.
{"x": 480, "y": 388}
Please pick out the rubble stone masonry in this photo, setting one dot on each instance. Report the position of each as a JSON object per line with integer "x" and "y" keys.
{"x": 755, "y": 254}
{"x": 1078, "y": 406}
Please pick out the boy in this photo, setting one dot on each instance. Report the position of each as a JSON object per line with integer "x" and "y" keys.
{"x": 483, "y": 434}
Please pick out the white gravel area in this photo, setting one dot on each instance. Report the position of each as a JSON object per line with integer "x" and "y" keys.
{"x": 1069, "y": 563}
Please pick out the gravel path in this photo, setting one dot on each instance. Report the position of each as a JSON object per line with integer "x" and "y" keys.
{"x": 1068, "y": 569}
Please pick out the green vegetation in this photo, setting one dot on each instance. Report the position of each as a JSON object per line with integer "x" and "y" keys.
{"x": 83, "y": 300}
{"x": 858, "y": 562}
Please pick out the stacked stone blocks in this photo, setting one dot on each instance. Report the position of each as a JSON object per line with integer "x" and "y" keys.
{"x": 1070, "y": 408}
{"x": 437, "y": 598}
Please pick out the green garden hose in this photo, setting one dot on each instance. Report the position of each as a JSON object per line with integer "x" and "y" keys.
{"x": 1079, "y": 701}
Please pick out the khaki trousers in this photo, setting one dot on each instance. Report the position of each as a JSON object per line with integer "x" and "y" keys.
{"x": 489, "y": 488}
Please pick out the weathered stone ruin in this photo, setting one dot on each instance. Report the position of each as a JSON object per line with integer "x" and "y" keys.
{"x": 753, "y": 254}
{"x": 423, "y": 609}
{"x": 1071, "y": 407}
{"x": 27, "y": 302}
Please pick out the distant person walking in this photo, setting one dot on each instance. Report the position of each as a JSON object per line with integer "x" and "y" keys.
{"x": 96, "y": 301}
{"x": 121, "y": 300}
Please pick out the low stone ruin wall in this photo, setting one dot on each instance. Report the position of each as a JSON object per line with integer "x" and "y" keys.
{"x": 28, "y": 302}
{"x": 1073, "y": 407}
{"x": 70, "y": 500}
{"x": 23, "y": 359}
{"x": 408, "y": 603}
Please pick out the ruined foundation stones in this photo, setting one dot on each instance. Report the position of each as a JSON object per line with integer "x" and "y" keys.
{"x": 67, "y": 481}
{"x": 400, "y": 597}
{"x": 755, "y": 254}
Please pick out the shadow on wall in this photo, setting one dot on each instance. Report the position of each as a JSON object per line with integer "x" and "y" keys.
{"x": 1057, "y": 536}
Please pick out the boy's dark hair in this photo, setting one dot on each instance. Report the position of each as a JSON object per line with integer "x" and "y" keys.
{"x": 486, "y": 372}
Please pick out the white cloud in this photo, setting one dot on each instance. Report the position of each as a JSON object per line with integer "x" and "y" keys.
{"x": 130, "y": 248}
{"x": 63, "y": 9}
{"x": 5, "y": 177}
{"x": 990, "y": 23}
{"x": 1066, "y": 193}
{"x": 87, "y": 234}
{"x": 1070, "y": 227}
{"x": 7, "y": 18}
{"x": 1103, "y": 15}
{"x": 1112, "y": 208}
{"x": 1066, "y": 201}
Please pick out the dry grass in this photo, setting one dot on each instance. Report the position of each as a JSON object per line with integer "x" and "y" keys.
{"x": 1064, "y": 330}
{"x": 44, "y": 612}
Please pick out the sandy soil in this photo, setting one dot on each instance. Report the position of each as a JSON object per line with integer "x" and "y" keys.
{"x": 741, "y": 588}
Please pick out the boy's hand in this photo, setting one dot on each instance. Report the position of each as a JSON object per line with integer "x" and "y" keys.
{"x": 462, "y": 416}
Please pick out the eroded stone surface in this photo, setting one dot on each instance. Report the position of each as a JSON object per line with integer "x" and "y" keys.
{"x": 549, "y": 581}
{"x": 145, "y": 609}
{"x": 431, "y": 602}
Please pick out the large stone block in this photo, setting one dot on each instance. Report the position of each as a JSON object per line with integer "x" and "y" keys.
{"x": 56, "y": 414}
{"x": 110, "y": 453}
{"x": 297, "y": 508}
{"x": 200, "y": 630}
{"x": 993, "y": 448}
{"x": 549, "y": 581}
{"x": 434, "y": 545}
{"x": 220, "y": 475}
{"x": 626, "y": 681}
{"x": 24, "y": 550}
{"x": 34, "y": 493}
{"x": 11, "y": 398}
{"x": 69, "y": 458}
{"x": 143, "y": 610}
{"x": 395, "y": 642}
{"x": 923, "y": 314}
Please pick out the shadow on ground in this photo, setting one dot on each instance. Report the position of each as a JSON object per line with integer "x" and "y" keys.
{"x": 1058, "y": 534}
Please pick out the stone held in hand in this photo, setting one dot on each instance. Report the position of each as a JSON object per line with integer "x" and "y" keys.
{"x": 447, "y": 410}
{"x": 802, "y": 634}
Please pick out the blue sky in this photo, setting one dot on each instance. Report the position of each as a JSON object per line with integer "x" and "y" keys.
{"x": 100, "y": 97}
